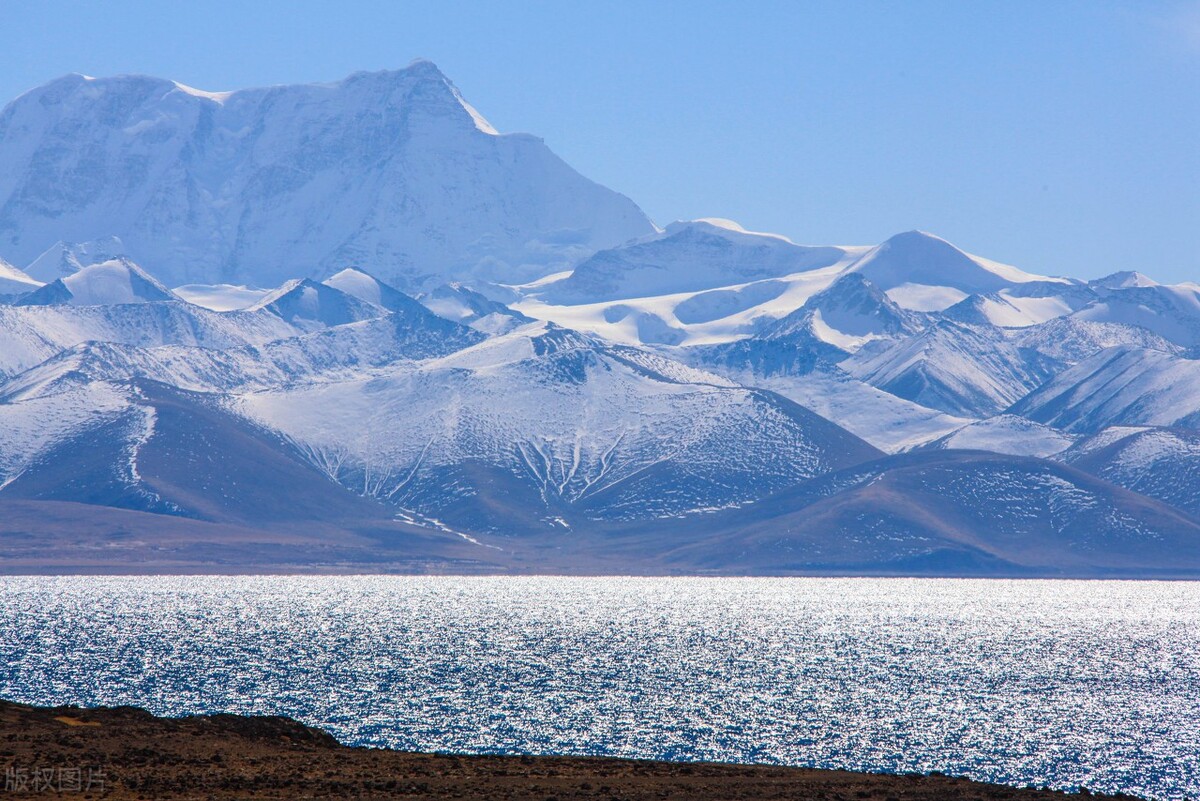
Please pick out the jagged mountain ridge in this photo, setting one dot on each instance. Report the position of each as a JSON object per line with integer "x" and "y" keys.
{"x": 393, "y": 170}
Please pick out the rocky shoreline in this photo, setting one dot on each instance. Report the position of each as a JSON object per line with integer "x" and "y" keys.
{"x": 127, "y": 753}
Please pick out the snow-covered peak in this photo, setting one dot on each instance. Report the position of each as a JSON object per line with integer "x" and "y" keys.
{"x": 919, "y": 259}
{"x": 719, "y": 226}
{"x": 67, "y": 258}
{"x": 368, "y": 288}
{"x": 1123, "y": 280}
{"x": 847, "y": 314}
{"x": 463, "y": 305}
{"x": 722, "y": 224}
{"x": 109, "y": 283}
{"x": 686, "y": 257}
{"x": 427, "y": 70}
{"x": 1172, "y": 312}
{"x": 392, "y": 170}
{"x": 309, "y": 305}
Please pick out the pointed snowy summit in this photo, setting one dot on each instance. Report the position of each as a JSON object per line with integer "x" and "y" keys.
{"x": 310, "y": 305}
{"x": 110, "y": 283}
{"x": 63, "y": 259}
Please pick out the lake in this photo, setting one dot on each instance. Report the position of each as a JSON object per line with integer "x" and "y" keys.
{"x": 1059, "y": 683}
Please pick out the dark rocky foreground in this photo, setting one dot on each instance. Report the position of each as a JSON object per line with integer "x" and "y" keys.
{"x": 127, "y": 753}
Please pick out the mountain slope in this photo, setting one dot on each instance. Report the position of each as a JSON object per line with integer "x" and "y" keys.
{"x": 1160, "y": 463}
{"x": 1007, "y": 434}
{"x": 969, "y": 371}
{"x": 686, "y": 257}
{"x": 309, "y": 305}
{"x": 107, "y": 283}
{"x": 948, "y": 513}
{"x": 1171, "y": 312}
{"x": 15, "y": 282}
{"x": 392, "y": 170}
{"x": 926, "y": 273}
{"x": 1119, "y": 386}
{"x": 63, "y": 259}
{"x": 565, "y": 427}
{"x": 30, "y": 335}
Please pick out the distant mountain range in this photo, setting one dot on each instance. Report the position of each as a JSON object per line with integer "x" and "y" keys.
{"x": 350, "y": 326}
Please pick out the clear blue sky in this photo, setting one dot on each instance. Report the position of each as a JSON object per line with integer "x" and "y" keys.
{"x": 1063, "y": 137}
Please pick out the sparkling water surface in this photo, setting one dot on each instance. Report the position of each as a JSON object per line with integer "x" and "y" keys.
{"x": 1057, "y": 683}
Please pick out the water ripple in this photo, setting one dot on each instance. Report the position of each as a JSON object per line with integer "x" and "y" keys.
{"x": 1054, "y": 683}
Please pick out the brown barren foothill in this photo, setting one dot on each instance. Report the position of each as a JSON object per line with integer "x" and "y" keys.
{"x": 128, "y": 753}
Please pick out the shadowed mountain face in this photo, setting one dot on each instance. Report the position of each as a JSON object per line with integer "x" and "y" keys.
{"x": 388, "y": 169}
{"x": 948, "y": 513}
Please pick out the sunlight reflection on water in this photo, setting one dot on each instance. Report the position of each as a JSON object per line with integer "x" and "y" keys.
{"x": 1026, "y": 682}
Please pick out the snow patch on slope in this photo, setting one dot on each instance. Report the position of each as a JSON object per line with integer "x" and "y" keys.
{"x": 221, "y": 297}
{"x": 1007, "y": 434}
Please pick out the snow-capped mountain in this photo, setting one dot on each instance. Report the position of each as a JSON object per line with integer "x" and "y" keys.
{"x": 107, "y": 283}
{"x": 850, "y": 313}
{"x": 399, "y": 339}
{"x": 557, "y": 428}
{"x": 63, "y": 259}
{"x": 391, "y": 170}
{"x": 924, "y": 272}
{"x": 1171, "y": 312}
{"x": 309, "y": 305}
{"x": 962, "y": 370}
{"x": 464, "y": 305}
{"x": 32, "y": 334}
{"x": 686, "y": 257}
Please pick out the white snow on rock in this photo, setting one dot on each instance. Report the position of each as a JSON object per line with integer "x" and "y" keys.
{"x": 889, "y": 423}
{"x": 919, "y": 258}
{"x": 221, "y": 297}
{"x": 63, "y": 258}
{"x": 113, "y": 282}
{"x": 925, "y": 298}
{"x": 309, "y": 305}
{"x": 391, "y": 170}
{"x": 571, "y": 417}
{"x": 1007, "y": 434}
{"x": 14, "y": 281}
{"x": 685, "y": 257}
{"x": 1119, "y": 386}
